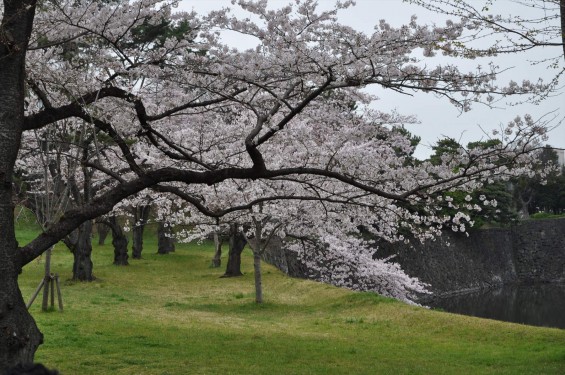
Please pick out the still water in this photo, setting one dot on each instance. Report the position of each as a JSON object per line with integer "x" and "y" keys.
{"x": 538, "y": 305}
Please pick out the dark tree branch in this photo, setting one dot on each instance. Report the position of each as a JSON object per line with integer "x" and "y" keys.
{"x": 197, "y": 203}
{"x": 193, "y": 104}
{"x": 51, "y": 115}
{"x": 57, "y": 42}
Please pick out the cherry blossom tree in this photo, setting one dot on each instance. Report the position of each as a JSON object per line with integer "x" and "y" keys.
{"x": 329, "y": 221}
{"x": 190, "y": 113}
{"x": 44, "y": 191}
{"x": 59, "y": 156}
{"x": 140, "y": 219}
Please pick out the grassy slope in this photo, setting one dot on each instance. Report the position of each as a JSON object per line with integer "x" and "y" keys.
{"x": 174, "y": 315}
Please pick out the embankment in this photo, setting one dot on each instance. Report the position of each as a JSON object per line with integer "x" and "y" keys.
{"x": 530, "y": 252}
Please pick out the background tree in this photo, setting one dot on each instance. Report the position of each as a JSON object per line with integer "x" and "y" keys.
{"x": 218, "y": 241}
{"x": 165, "y": 238}
{"x": 102, "y": 231}
{"x": 496, "y": 204}
{"x": 258, "y": 247}
{"x": 236, "y": 243}
{"x": 119, "y": 241}
{"x": 58, "y": 154}
{"x": 46, "y": 193}
{"x": 445, "y": 150}
{"x": 534, "y": 194}
{"x": 140, "y": 219}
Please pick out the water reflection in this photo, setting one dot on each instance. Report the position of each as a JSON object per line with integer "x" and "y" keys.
{"x": 539, "y": 305}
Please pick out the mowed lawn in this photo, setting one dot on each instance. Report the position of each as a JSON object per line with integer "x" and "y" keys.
{"x": 173, "y": 314}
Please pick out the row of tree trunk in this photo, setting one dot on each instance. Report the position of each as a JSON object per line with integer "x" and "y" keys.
{"x": 80, "y": 244}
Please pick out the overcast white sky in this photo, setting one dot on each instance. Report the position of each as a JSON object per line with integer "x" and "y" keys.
{"x": 438, "y": 118}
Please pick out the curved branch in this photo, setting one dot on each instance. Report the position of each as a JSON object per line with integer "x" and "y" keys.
{"x": 104, "y": 203}
{"x": 218, "y": 214}
{"x": 193, "y": 104}
{"x": 50, "y": 114}
{"x": 57, "y": 42}
{"x": 108, "y": 129}
{"x": 296, "y": 110}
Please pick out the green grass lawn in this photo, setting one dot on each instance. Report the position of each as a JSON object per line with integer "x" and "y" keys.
{"x": 173, "y": 314}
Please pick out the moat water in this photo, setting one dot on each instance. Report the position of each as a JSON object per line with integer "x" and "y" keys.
{"x": 538, "y": 305}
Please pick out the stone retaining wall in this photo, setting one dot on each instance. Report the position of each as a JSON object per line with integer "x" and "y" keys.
{"x": 533, "y": 251}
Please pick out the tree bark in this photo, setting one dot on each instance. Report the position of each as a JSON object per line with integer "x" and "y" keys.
{"x": 81, "y": 247}
{"x": 119, "y": 241}
{"x": 165, "y": 241}
{"x": 103, "y": 231}
{"x": 236, "y": 245}
{"x": 19, "y": 335}
{"x": 217, "y": 260}
{"x": 141, "y": 215}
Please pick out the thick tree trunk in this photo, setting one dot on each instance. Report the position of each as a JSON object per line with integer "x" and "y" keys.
{"x": 141, "y": 215}
{"x": 166, "y": 243}
{"x": 82, "y": 251}
{"x": 137, "y": 245}
{"x": 236, "y": 244}
{"x": 103, "y": 231}
{"x": 19, "y": 335}
{"x": 217, "y": 260}
{"x": 119, "y": 241}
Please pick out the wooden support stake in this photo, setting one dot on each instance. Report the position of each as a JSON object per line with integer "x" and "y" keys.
{"x": 34, "y": 296}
